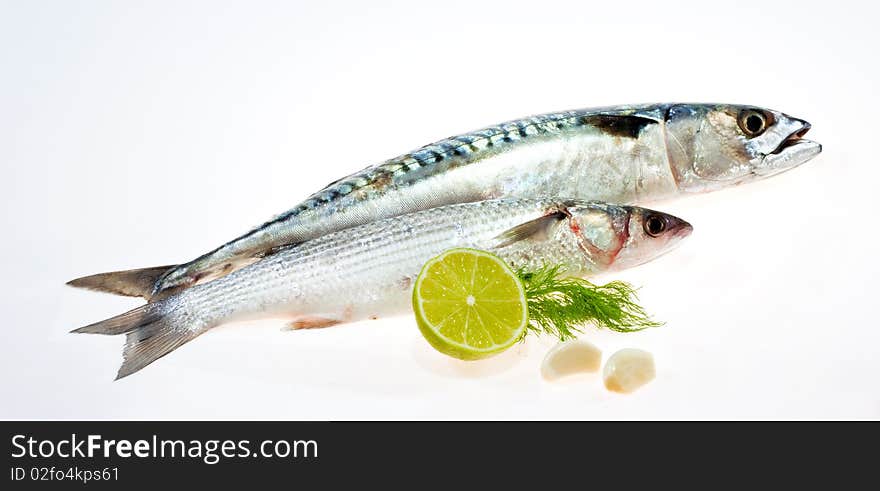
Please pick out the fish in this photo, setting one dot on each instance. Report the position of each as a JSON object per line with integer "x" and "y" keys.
{"x": 368, "y": 271}
{"x": 634, "y": 154}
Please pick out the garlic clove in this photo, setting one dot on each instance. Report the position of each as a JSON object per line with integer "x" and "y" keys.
{"x": 628, "y": 369}
{"x": 571, "y": 357}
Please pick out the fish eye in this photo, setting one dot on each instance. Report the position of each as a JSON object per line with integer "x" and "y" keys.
{"x": 752, "y": 122}
{"x": 654, "y": 225}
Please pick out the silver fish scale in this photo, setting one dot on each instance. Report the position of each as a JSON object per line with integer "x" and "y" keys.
{"x": 369, "y": 270}
{"x": 456, "y": 147}
{"x": 429, "y": 177}
{"x": 460, "y": 147}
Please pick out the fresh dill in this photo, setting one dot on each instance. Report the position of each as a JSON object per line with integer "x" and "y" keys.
{"x": 561, "y": 306}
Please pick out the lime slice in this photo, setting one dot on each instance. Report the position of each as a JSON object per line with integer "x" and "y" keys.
{"x": 469, "y": 304}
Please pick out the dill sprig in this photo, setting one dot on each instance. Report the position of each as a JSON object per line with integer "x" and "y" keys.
{"x": 560, "y": 306}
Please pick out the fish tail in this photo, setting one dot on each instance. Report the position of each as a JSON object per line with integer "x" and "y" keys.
{"x": 152, "y": 331}
{"x": 131, "y": 282}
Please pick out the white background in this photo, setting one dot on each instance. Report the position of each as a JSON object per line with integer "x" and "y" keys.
{"x": 137, "y": 135}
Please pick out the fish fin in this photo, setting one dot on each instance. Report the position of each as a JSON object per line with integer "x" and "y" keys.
{"x": 151, "y": 342}
{"x": 131, "y": 282}
{"x": 152, "y": 331}
{"x": 311, "y": 322}
{"x": 537, "y": 229}
{"x": 122, "y": 323}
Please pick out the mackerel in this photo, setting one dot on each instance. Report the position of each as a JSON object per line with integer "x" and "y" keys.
{"x": 624, "y": 154}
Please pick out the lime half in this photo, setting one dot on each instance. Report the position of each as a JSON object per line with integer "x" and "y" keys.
{"x": 469, "y": 304}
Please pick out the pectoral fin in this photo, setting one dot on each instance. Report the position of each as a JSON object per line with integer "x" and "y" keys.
{"x": 537, "y": 229}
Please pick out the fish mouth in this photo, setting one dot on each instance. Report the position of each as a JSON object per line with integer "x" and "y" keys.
{"x": 677, "y": 228}
{"x": 794, "y": 138}
{"x": 682, "y": 229}
{"x": 790, "y": 153}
